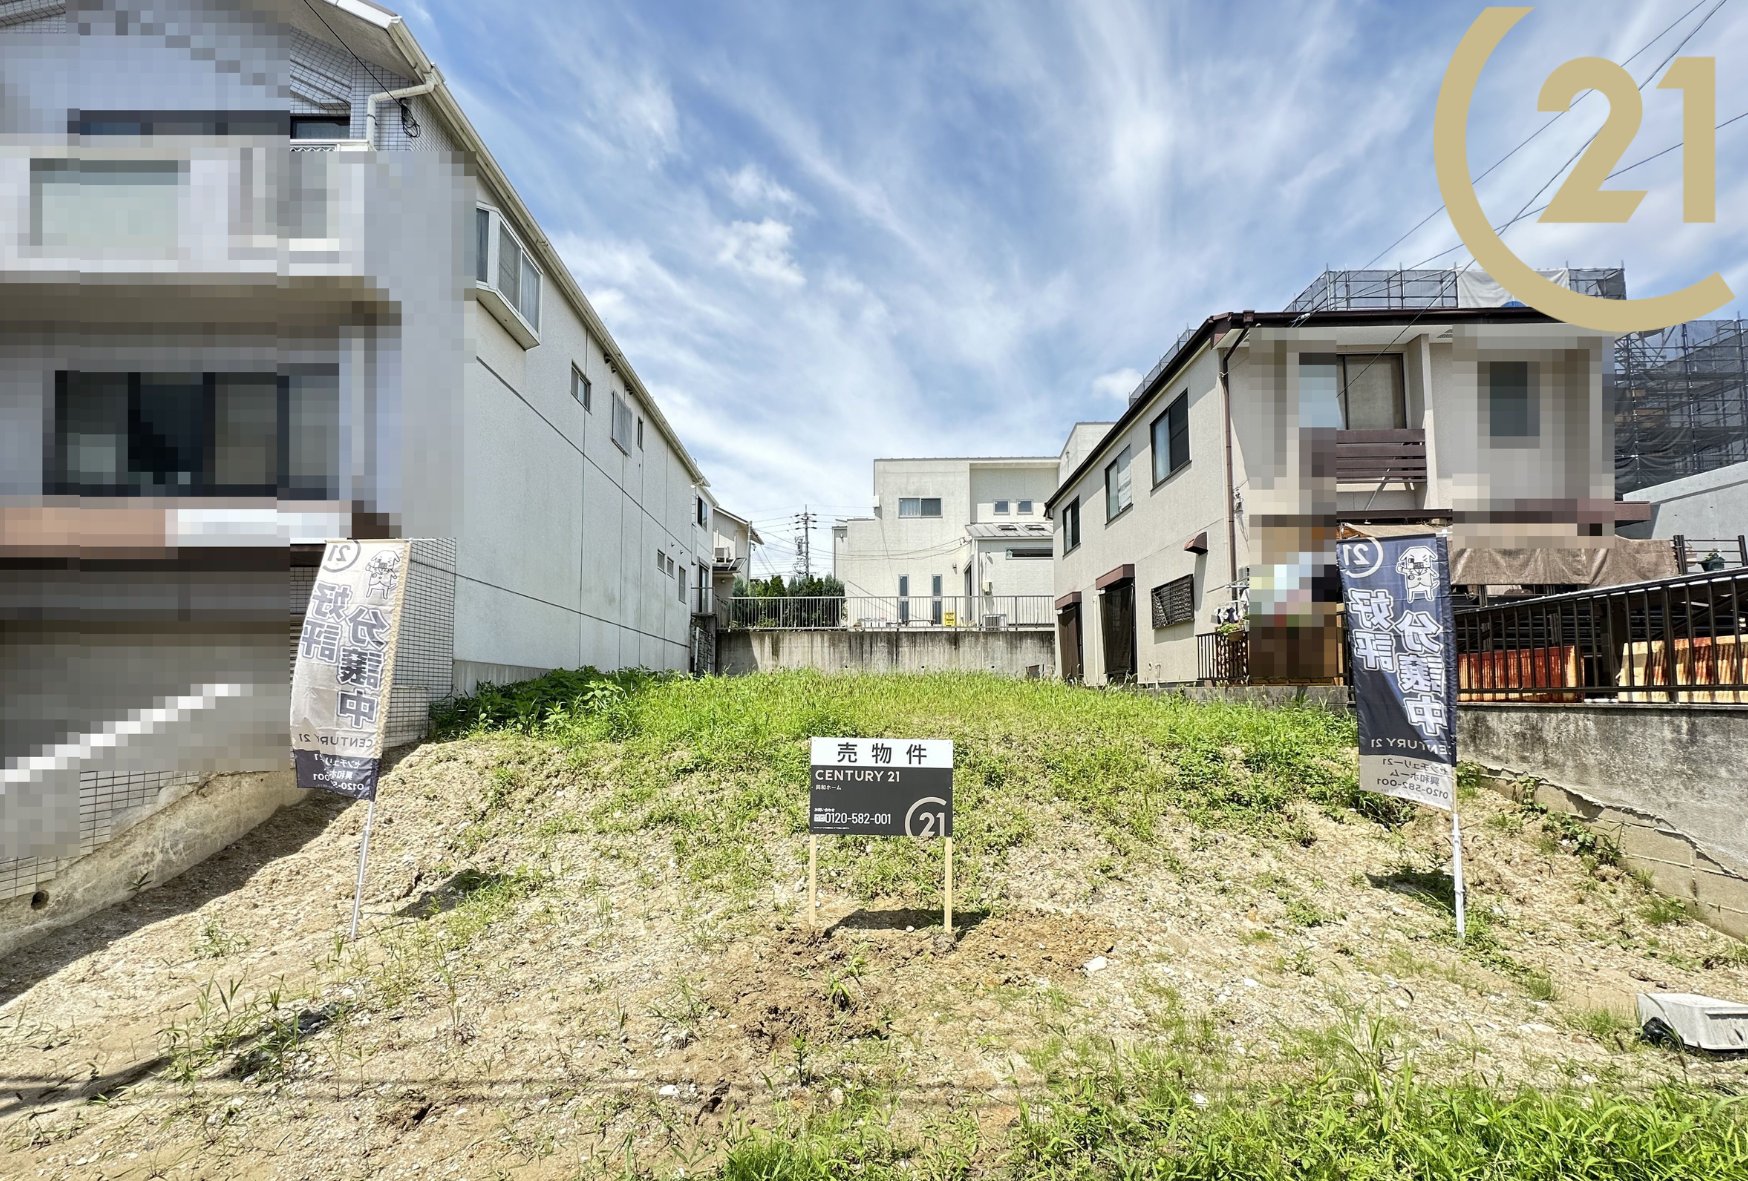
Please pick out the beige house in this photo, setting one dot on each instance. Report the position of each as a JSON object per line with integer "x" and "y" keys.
{"x": 1195, "y": 539}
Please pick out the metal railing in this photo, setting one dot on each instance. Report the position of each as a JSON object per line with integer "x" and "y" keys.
{"x": 1672, "y": 639}
{"x": 1709, "y": 554}
{"x": 877, "y": 612}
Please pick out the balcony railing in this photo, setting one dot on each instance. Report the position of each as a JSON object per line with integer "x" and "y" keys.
{"x": 892, "y": 612}
{"x": 1670, "y": 640}
{"x": 1371, "y": 457}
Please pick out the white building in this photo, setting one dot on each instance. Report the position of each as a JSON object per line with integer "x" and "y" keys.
{"x": 265, "y": 286}
{"x": 964, "y": 540}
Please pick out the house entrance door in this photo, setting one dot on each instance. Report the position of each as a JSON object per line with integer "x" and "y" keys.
{"x": 1068, "y": 639}
{"x": 1117, "y": 622}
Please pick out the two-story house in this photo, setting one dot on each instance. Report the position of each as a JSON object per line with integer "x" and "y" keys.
{"x": 964, "y": 540}
{"x": 1196, "y": 539}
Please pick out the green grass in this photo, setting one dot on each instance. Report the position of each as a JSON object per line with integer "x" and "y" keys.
{"x": 1136, "y": 1117}
{"x": 718, "y": 766}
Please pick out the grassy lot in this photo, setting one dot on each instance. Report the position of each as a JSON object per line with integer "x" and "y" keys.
{"x": 587, "y": 954}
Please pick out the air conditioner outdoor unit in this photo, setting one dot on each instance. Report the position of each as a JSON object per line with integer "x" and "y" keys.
{"x": 994, "y": 622}
{"x": 724, "y": 553}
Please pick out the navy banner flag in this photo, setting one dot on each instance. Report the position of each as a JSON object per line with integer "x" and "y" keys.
{"x": 1397, "y": 591}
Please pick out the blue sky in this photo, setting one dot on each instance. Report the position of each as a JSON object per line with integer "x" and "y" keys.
{"x": 828, "y": 232}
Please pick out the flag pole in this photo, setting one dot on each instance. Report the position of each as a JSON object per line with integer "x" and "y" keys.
{"x": 364, "y": 851}
{"x": 1457, "y": 866}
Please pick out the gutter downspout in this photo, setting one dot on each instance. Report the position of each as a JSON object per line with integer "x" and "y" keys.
{"x": 1231, "y": 492}
{"x": 425, "y": 87}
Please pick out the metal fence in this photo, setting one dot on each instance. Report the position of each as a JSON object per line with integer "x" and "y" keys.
{"x": 977, "y": 612}
{"x": 1674, "y": 639}
{"x": 1710, "y": 554}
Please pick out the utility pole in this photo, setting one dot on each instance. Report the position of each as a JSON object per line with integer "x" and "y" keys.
{"x": 803, "y": 537}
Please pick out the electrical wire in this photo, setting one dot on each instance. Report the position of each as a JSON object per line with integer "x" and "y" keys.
{"x": 409, "y": 124}
{"x": 1555, "y": 119}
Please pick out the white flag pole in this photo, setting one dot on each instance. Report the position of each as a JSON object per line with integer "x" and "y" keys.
{"x": 364, "y": 851}
{"x": 1457, "y": 866}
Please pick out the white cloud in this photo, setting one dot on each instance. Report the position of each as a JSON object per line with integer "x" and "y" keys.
{"x": 760, "y": 249}
{"x": 754, "y": 188}
{"x": 1118, "y": 384}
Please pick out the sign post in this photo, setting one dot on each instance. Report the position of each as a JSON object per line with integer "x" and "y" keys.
{"x": 344, "y": 674}
{"x": 1397, "y": 592}
{"x": 891, "y": 787}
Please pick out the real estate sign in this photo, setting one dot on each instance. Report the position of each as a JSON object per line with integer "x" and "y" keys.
{"x": 1397, "y": 591}
{"x": 345, "y": 666}
{"x": 881, "y": 787}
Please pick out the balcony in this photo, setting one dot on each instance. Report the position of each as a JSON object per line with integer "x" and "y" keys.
{"x": 1375, "y": 457}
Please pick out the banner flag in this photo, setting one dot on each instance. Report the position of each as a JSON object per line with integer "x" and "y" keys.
{"x": 1398, "y": 596}
{"x": 345, "y": 666}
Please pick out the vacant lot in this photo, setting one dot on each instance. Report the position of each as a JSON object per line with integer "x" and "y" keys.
{"x": 1187, "y": 947}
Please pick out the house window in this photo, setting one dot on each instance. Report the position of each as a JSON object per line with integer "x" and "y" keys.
{"x": 1071, "y": 526}
{"x": 622, "y": 419}
{"x": 682, "y": 577}
{"x": 1512, "y": 412}
{"x": 482, "y": 244}
{"x": 1118, "y": 493}
{"x": 581, "y": 390}
{"x": 919, "y": 506}
{"x": 1174, "y": 602}
{"x": 507, "y": 269}
{"x": 1025, "y": 508}
{"x": 321, "y": 126}
{"x": 640, "y": 434}
{"x": 661, "y": 562}
{"x": 107, "y": 204}
{"x": 1358, "y": 392}
{"x": 703, "y": 512}
{"x": 904, "y": 598}
{"x": 1001, "y": 508}
{"x": 197, "y": 434}
{"x": 1171, "y": 438}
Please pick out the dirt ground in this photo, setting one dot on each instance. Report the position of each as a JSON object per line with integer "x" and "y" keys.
{"x": 613, "y": 1011}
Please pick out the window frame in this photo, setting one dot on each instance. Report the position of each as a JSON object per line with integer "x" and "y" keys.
{"x": 1171, "y": 426}
{"x": 1115, "y": 473}
{"x": 922, "y": 504}
{"x": 1023, "y": 508}
{"x": 509, "y": 308}
{"x": 1399, "y": 363}
{"x": 1000, "y": 508}
{"x": 1532, "y": 409}
{"x": 580, "y": 381}
{"x": 1071, "y": 526}
{"x": 620, "y": 428}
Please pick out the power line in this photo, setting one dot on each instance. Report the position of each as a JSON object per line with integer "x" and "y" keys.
{"x": 1555, "y": 119}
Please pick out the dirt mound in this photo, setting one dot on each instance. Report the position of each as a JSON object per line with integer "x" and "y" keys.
{"x": 567, "y": 964}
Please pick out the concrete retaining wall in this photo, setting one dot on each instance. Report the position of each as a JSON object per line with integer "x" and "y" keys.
{"x": 1666, "y": 781}
{"x": 1011, "y": 653}
{"x": 176, "y": 833}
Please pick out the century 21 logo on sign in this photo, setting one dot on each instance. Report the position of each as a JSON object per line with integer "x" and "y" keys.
{"x": 1581, "y": 198}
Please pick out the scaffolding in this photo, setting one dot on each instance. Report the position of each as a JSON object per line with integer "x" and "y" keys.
{"x": 1345, "y": 291}
{"x": 1681, "y": 402}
